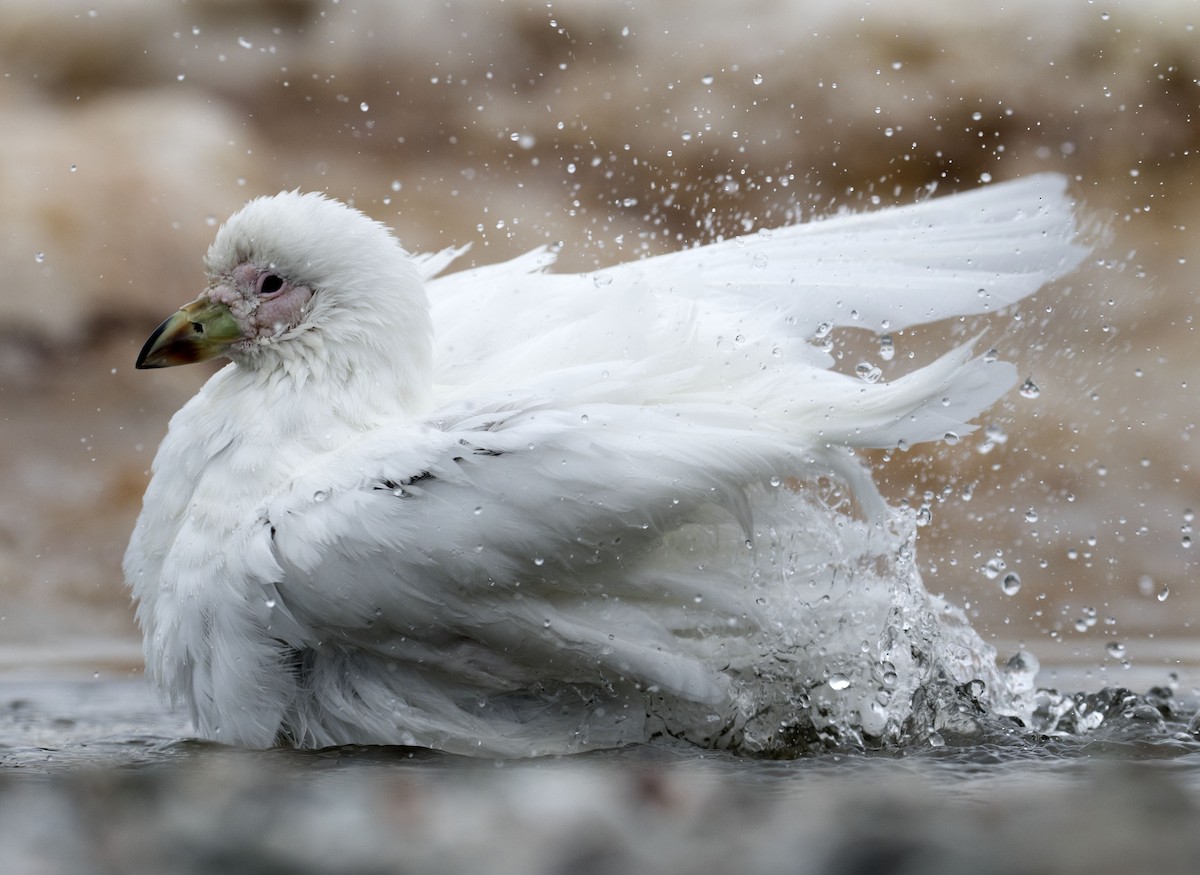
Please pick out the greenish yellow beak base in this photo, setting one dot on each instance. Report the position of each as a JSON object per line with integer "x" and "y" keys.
{"x": 197, "y": 332}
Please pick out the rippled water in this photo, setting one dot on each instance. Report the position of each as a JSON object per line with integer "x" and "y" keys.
{"x": 98, "y": 777}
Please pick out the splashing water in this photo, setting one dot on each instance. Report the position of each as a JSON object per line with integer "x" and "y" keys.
{"x": 828, "y": 639}
{"x": 873, "y": 660}
{"x": 857, "y": 655}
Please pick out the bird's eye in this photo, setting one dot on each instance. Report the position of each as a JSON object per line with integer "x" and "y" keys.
{"x": 270, "y": 284}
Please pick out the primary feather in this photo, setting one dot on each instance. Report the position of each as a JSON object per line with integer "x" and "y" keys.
{"x": 538, "y": 512}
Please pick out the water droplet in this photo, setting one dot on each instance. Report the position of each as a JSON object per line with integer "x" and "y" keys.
{"x": 868, "y": 372}
{"x": 477, "y": 511}
{"x": 995, "y": 434}
{"x": 364, "y": 106}
{"x": 951, "y": 438}
{"x": 538, "y": 560}
{"x": 39, "y": 257}
{"x": 887, "y": 348}
{"x": 1164, "y": 593}
{"x": 1011, "y": 585}
{"x": 270, "y": 603}
{"x": 707, "y": 79}
{"x": 1029, "y": 389}
{"x": 924, "y": 515}
{"x": 244, "y": 43}
{"x": 823, "y": 330}
{"x": 320, "y": 495}
{"x": 758, "y": 79}
{"x": 1115, "y": 649}
{"x": 993, "y": 567}
{"x": 1031, "y": 516}
{"x": 838, "y": 682}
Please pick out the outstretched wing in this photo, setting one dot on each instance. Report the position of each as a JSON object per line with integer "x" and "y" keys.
{"x": 760, "y": 297}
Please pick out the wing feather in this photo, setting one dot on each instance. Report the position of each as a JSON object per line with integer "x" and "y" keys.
{"x": 976, "y": 252}
{"x": 539, "y": 522}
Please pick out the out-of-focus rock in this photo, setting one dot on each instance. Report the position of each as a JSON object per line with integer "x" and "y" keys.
{"x": 104, "y": 201}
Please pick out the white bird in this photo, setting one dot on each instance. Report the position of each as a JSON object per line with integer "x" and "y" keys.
{"x": 535, "y": 512}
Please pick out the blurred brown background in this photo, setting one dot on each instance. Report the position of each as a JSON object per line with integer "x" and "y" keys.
{"x": 129, "y": 129}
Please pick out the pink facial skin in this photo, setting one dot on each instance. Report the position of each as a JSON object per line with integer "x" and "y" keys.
{"x": 262, "y": 301}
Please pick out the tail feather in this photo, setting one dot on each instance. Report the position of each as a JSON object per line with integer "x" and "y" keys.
{"x": 925, "y": 405}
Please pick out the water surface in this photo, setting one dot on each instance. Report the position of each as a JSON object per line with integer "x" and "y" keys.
{"x": 97, "y": 776}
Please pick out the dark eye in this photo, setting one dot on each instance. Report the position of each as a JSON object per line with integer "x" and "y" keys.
{"x": 270, "y": 284}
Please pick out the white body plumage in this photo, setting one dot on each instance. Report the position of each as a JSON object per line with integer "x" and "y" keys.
{"x": 540, "y": 512}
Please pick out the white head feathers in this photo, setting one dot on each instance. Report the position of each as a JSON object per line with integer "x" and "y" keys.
{"x": 365, "y": 291}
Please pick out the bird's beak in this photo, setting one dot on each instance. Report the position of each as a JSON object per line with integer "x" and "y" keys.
{"x": 197, "y": 332}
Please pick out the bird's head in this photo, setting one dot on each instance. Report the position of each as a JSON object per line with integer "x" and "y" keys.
{"x": 299, "y": 278}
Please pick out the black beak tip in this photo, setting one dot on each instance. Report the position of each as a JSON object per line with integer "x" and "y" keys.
{"x": 144, "y": 361}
